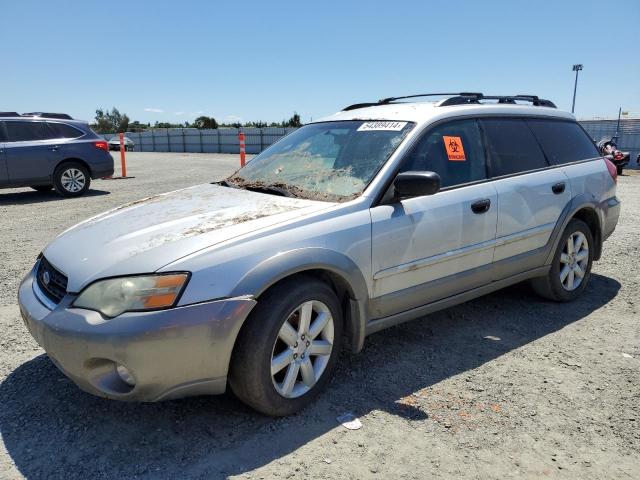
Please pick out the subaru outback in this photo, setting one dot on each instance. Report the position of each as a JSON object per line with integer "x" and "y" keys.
{"x": 54, "y": 151}
{"x": 381, "y": 213}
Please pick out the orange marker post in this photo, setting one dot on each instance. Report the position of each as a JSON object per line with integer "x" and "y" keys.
{"x": 123, "y": 163}
{"x": 242, "y": 149}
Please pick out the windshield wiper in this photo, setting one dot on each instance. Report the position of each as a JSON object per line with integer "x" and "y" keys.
{"x": 271, "y": 188}
{"x": 266, "y": 188}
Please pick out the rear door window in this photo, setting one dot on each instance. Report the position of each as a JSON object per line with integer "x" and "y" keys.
{"x": 25, "y": 131}
{"x": 453, "y": 150}
{"x": 62, "y": 130}
{"x": 562, "y": 142}
{"x": 511, "y": 146}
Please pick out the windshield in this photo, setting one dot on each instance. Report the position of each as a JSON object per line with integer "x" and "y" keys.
{"x": 333, "y": 161}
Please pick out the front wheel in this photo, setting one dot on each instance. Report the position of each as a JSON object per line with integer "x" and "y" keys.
{"x": 286, "y": 352}
{"x": 71, "y": 179}
{"x": 571, "y": 267}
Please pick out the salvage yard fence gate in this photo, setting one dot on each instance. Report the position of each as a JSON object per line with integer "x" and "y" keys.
{"x": 225, "y": 140}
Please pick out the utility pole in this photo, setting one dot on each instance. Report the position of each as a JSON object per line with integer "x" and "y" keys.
{"x": 576, "y": 68}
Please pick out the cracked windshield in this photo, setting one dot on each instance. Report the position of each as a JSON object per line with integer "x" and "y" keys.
{"x": 332, "y": 161}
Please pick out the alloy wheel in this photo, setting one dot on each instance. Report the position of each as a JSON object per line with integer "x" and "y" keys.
{"x": 303, "y": 349}
{"x": 73, "y": 180}
{"x": 573, "y": 261}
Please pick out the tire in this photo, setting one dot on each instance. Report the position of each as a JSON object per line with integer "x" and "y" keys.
{"x": 556, "y": 287}
{"x": 42, "y": 188}
{"x": 260, "y": 346}
{"x": 619, "y": 169}
{"x": 71, "y": 179}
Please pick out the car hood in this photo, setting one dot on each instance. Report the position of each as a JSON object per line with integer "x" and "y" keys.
{"x": 145, "y": 235}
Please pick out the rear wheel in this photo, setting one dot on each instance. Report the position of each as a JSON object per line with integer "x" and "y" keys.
{"x": 71, "y": 179}
{"x": 286, "y": 352}
{"x": 42, "y": 188}
{"x": 571, "y": 267}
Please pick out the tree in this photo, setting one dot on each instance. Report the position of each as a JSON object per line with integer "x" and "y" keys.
{"x": 294, "y": 121}
{"x": 205, "y": 122}
{"x": 110, "y": 121}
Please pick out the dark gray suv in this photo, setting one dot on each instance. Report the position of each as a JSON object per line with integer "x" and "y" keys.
{"x": 45, "y": 153}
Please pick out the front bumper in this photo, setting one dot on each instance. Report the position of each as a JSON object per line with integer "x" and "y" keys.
{"x": 173, "y": 353}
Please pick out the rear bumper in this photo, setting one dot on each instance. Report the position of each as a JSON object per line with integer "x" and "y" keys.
{"x": 171, "y": 353}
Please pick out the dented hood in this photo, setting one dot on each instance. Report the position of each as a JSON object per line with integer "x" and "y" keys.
{"x": 145, "y": 235}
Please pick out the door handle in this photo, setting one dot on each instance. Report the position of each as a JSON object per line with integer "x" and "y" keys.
{"x": 558, "y": 188}
{"x": 54, "y": 148}
{"x": 481, "y": 206}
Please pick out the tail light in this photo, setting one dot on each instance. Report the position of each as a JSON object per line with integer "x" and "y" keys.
{"x": 102, "y": 145}
{"x": 613, "y": 171}
{"x": 618, "y": 155}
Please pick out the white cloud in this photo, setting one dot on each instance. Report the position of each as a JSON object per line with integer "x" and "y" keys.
{"x": 155, "y": 110}
{"x": 199, "y": 112}
{"x": 179, "y": 113}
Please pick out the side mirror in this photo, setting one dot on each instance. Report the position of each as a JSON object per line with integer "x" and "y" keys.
{"x": 416, "y": 184}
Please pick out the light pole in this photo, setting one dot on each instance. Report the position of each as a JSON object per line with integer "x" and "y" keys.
{"x": 576, "y": 68}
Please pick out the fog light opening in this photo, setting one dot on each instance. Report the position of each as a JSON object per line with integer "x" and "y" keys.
{"x": 125, "y": 375}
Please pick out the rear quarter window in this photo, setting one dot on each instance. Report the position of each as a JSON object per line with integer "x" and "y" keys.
{"x": 562, "y": 141}
{"x": 62, "y": 130}
{"x": 511, "y": 146}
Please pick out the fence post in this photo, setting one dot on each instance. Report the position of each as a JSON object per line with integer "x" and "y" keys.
{"x": 201, "y": 146}
{"x": 168, "y": 140}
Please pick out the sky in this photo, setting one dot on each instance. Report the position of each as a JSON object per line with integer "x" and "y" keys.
{"x": 263, "y": 60}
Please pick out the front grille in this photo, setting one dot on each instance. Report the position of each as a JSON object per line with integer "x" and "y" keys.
{"x": 56, "y": 286}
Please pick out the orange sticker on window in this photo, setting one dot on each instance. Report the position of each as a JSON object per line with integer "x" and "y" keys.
{"x": 455, "y": 150}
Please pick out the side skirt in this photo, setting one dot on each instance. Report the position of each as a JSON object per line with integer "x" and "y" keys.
{"x": 382, "y": 323}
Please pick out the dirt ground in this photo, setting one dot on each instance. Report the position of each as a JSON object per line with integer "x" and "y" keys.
{"x": 506, "y": 386}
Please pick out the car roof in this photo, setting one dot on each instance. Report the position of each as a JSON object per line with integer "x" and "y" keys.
{"x": 72, "y": 121}
{"x": 429, "y": 112}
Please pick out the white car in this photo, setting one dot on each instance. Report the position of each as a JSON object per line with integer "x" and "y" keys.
{"x": 379, "y": 214}
{"x": 114, "y": 143}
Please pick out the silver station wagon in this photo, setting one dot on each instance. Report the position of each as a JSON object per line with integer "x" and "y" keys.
{"x": 379, "y": 214}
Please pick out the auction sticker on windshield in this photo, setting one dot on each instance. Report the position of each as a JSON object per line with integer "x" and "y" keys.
{"x": 390, "y": 126}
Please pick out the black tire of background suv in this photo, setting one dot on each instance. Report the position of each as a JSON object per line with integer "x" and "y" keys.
{"x": 42, "y": 188}
{"x": 550, "y": 286}
{"x": 57, "y": 182}
{"x": 250, "y": 369}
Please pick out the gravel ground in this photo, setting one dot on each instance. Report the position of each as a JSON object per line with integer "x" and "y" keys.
{"x": 504, "y": 386}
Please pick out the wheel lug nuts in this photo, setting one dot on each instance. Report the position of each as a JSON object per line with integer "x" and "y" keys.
{"x": 296, "y": 345}
{"x": 308, "y": 343}
{"x": 302, "y": 356}
{"x": 295, "y": 355}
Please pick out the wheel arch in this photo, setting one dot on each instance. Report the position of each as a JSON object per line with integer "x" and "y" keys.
{"x": 74, "y": 160}
{"x": 337, "y": 270}
{"x": 586, "y": 209}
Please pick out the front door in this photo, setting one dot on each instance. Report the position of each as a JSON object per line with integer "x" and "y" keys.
{"x": 431, "y": 247}
{"x": 29, "y": 156}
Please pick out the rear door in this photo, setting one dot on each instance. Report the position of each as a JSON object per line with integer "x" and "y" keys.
{"x": 4, "y": 176}
{"x": 531, "y": 196}
{"x": 430, "y": 247}
{"x": 30, "y": 153}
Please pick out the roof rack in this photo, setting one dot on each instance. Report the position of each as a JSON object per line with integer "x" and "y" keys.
{"x": 463, "y": 98}
{"x": 63, "y": 116}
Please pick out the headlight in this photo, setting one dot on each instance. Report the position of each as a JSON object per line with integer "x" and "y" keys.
{"x": 118, "y": 295}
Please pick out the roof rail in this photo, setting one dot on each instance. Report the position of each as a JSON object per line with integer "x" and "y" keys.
{"x": 463, "y": 98}
{"x": 9, "y": 114}
{"x": 63, "y": 116}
